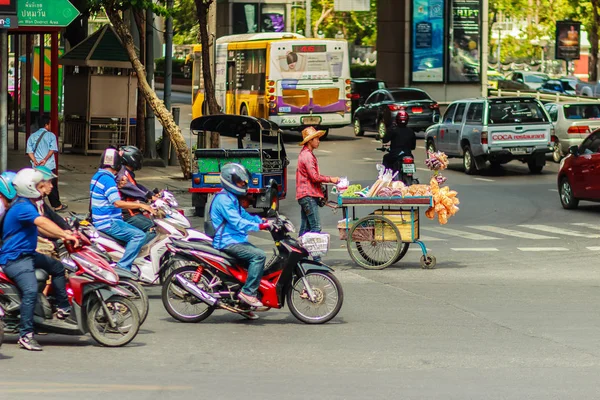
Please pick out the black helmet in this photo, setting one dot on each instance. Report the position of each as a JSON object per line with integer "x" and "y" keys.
{"x": 132, "y": 156}
{"x": 235, "y": 178}
{"x": 111, "y": 159}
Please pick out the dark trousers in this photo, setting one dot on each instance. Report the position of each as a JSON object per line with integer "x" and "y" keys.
{"x": 22, "y": 272}
{"x": 54, "y": 197}
{"x": 309, "y": 216}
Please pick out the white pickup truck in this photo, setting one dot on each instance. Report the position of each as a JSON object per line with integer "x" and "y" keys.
{"x": 497, "y": 130}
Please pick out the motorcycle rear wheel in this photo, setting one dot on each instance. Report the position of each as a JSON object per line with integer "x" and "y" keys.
{"x": 141, "y": 297}
{"x": 329, "y": 298}
{"x": 1, "y": 333}
{"x": 173, "y": 292}
{"x": 127, "y": 318}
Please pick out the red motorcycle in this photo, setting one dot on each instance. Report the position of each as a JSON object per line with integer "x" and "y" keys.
{"x": 99, "y": 306}
{"x": 1, "y": 321}
{"x": 210, "y": 279}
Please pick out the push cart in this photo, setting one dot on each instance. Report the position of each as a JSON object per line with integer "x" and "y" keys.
{"x": 382, "y": 238}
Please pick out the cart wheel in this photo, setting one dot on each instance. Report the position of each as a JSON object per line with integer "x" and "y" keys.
{"x": 374, "y": 242}
{"x": 402, "y": 252}
{"x": 428, "y": 262}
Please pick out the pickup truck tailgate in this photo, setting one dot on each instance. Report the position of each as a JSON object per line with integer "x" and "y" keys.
{"x": 519, "y": 135}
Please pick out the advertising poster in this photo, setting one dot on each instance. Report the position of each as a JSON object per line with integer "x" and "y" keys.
{"x": 428, "y": 41}
{"x": 568, "y": 35}
{"x": 35, "y": 81}
{"x": 464, "y": 56}
{"x": 8, "y": 14}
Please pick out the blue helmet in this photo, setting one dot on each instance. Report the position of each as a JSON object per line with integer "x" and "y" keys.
{"x": 47, "y": 172}
{"x": 6, "y": 187}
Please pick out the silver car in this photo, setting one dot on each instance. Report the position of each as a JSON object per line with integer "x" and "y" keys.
{"x": 573, "y": 122}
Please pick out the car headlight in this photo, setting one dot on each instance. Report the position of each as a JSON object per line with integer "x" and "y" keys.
{"x": 96, "y": 270}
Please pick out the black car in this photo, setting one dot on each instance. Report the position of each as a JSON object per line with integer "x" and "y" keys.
{"x": 383, "y": 105}
{"x": 361, "y": 88}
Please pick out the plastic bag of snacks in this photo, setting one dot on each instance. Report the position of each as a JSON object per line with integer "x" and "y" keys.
{"x": 437, "y": 161}
{"x": 352, "y": 190}
{"x": 445, "y": 202}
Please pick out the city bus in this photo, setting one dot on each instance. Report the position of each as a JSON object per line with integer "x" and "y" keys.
{"x": 283, "y": 77}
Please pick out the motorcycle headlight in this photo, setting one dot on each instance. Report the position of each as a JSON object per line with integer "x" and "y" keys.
{"x": 290, "y": 227}
{"x": 99, "y": 272}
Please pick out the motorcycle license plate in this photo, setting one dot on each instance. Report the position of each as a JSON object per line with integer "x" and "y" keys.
{"x": 311, "y": 120}
{"x": 417, "y": 110}
{"x": 408, "y": 168}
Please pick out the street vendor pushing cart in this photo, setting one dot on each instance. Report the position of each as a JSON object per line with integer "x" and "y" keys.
{"x": 308, "y": 181}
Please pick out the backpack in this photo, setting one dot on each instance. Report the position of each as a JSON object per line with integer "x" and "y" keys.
{"x": 209, "y": 228}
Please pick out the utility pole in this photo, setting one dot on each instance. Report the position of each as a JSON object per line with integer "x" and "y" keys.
{"x": 4, "y": 99}
{"x": 308, "y": 27}
{"x": 150, "y": 150}
{"x": 168, "y": 79}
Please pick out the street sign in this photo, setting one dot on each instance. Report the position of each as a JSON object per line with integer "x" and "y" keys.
{"x": 8, "y": 14}
{"x": 46, "y": 12}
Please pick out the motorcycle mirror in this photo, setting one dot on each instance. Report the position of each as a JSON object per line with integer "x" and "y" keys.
{"x": 271, "y": 213}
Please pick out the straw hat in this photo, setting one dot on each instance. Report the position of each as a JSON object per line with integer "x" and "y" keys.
{"x": 309, "y": 134}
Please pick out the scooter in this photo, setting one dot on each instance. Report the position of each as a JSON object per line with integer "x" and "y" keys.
{"x": 1, "y": 321}
{"x": 405, "y": 166}
{"x": 211, "y": 280}
{"x": 99, "y": 306}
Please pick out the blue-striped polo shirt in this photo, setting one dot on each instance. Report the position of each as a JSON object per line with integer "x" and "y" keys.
{"x": 104, "y": 193}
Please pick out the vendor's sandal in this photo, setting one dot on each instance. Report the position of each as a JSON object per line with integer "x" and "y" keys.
{"x": 62, "y": 207}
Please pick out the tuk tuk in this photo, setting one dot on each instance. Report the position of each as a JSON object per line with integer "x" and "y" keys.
{"x": 266, "y": 161}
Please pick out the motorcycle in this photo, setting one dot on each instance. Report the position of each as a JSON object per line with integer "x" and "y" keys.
{"x": 404, "y": 165}
{"x": 169, "y": 224}
{"x": 99, "y": 306}
{"x": 211, "y": 279}
{"x": 1, "y": 321}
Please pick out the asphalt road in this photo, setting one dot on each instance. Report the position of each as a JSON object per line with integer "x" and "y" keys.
{"x": 511, "y": 312}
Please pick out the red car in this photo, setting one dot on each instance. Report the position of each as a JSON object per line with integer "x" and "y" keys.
{"x": 579, "y": 173}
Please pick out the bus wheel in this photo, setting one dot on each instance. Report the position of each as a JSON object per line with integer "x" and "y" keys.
{"x": 326, "y": 134}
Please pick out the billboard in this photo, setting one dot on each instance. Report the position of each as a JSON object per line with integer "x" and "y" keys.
{"x": 464, "y": 55}
{"x": 427, "y": 41}
{"x": 35, "y": 80}
{"x": 8, "y": 14}
{"x": 568, "y": 34}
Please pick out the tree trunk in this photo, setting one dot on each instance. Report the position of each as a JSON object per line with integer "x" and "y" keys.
{"x": 164, "y": 116}
{"x": 140, "y": 126}
{"x": 593, "y": 33}
{"x": 324, "y": 14}
{"x": 202, "y": 7}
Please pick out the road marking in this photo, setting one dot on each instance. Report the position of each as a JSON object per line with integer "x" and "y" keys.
{"x": 559, "y": 231}
{"x": 325, "y": 151}
{"x": 368, "y": 159}
{"x": 425, "y": 238}
{"x": 510, "y": 232}
{"x": 553, "y": 190}
{"x": 423, "y": 169}
{"x": 479, "y": 249}
{"x": 593, "y": 248}
{"x": 483, "y": 179}
{"x": 587, "y": 225}
{"x": 461, "y": 234}
{"x": 375, "y": 141}
{"x": 538, "y": 249}
{"x": 421, "y": 147}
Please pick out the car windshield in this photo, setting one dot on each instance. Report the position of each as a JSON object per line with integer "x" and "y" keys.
{"x": 567, "y": 86}
{"x": 521, "y": 111}
{"x": 495, "y": 78}
{"x": 582, "y": 111}
{"x": 535, "y": 78}
{"x": 408, "y": 95}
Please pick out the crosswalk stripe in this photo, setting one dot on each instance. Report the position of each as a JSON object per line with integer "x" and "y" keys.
{"x": 593, "y": 248}
{"x": 539, "y": 249}
{"x": 511, "y": 232}
{"x": 459, "y": 233}
{"x": 479, "y": 249}
{"x": 587, "y": 225}
{"x": 560, "y": 231}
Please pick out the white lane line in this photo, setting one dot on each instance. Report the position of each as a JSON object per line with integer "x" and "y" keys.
{"x": 368, "y": 159}
{"x": 593, "y": 248}
{"x": 375, "y": 141}
{"x": 484, "y": 180}
{"x": 421, "y": 147}
{"x": 458, "y": 233}
{"x": 587, "y": 225}
{"x": 510, "y": 232}
{"x": 425, "y": 238}
{"x": 560, "y": 231}
{"x": 553, "y": 190}
{"x": 325, "y": 151}
{"x": 539, "y": 249}
{"x": 478, "y": 249}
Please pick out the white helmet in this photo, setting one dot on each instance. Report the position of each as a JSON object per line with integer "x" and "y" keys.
{"x": 25, "y": 182}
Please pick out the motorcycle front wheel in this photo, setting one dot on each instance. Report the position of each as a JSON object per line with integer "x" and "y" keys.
{"x": 328, "y": 300}
{"x": 125, "y": 315}
{"x": 179, "y": 303}
{"x": 140, "y": 298}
